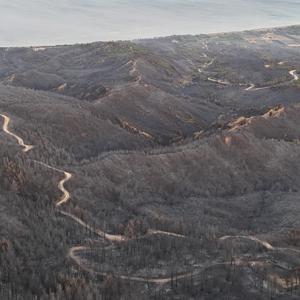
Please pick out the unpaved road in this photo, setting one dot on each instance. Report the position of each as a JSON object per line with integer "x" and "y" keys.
{"x": 61, "y": 185}
{"x": 273, "y": 278}
{"x": 20, "y": 141}
{"x": 107, "y": 236}
{"x": 252, "y": 87}
{"x": 265, "y": 244}
{"x": 219, "y": 81}
{"x": 160, "y": 280}
{"x": 65, "y": 194}
{"x": 294, "y": 74}
{"x": 116, "y": 237}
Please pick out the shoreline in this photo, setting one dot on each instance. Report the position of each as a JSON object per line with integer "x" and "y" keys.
{"x": 50, "y": 45}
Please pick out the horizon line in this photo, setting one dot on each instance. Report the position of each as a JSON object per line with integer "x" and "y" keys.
{"x": 50, "y": 45}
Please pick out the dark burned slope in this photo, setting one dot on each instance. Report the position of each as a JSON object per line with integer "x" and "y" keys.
{"x": 171, "y": 134}
{"x": 55, "y": 122}
{"x": 253, "y": 156}
{"x": 165, "y": 81}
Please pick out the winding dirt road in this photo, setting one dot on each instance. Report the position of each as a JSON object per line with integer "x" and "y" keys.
{"x": 26, "y": 148}
{"x": 294, "y": 74}
{"x": 253, "y": 88}
{"x": 61, "y": 185}
{"x": 160, "y": 280}
{"x": 250, "y": 88}
{"x": 20, "y": 141}
{"x": 265, "y": 244}
{"x": 273, "y": 278}
{"x": 152, "y": 232}
{"x": 206, "y": 65}
{"x": 219, "y": 81}
{"x": 102, "y": 234}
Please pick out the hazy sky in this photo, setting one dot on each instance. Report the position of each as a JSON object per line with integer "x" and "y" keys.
{"x": 48, "y": 22}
